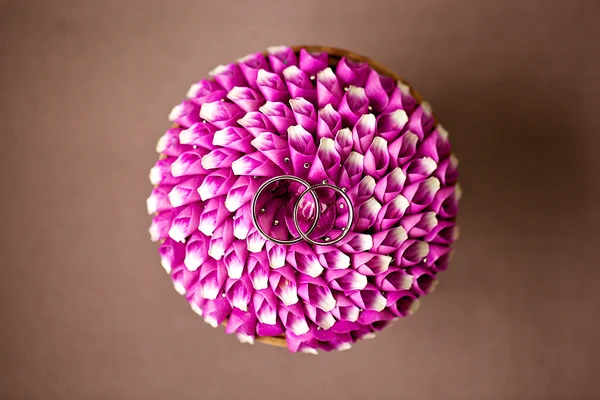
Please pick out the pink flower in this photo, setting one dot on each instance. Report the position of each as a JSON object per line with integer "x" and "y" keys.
{"x": 291, "y": 112}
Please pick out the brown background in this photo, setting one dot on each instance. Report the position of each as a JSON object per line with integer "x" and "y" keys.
{"x": 88, "y": 313}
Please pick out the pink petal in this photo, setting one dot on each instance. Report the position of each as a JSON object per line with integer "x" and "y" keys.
{"x": 293, "y": 319}
{"x": 447, "y": 171}
{"x": 213, "y": 215}
{"x": 189, "y": 163}
{"x": 246, "y": 98}
{"x": 421, "y": 121}
{"x": 171, "y": 254}
{"x": 265, "y": 305}
{"x": 329, "y": 122}
{"x": 161, "y": 173}
{"x": 364, "y": 132}
{"x": 220, "y": 158}
{"x": 436, "y": 145}
{"x": 353, "y": 105}
{"x": 356, "y": 243}
{"x": 378, "y": 97}
{"x": 387, "y": 241}
{"x": 304, "y": 113}
{"x": 444, "y": 233}
{"x": 344, "y": 143}
{"x": 279, "y": 115}
{"x": 332, "y": 258}
{"x": 283, "y": 283}
{"x": 243, "y": 324}
{"x": 250, "y": 65}
{"x": 185, "y": 223}
{"x": 390, "y": 186}
{"x": 228, "y": 76}
{"x": 377, "y": 158}
{"x": 352, "y": 170}
{"x": 239, "y": 292}
{"x": 351, "y": 72}
{"x": 242, "y": 222}
{"x": 258, "y": 270}
{"x": 411, "y": 252}
{"x": 345, "y": 280}
{"x": 168, "y": 144}
{"x": 446, "y": 201}
{"x": 424, "y": 280}
{"x": 255, "y": 164}
{"x": 329, "y": 92}
{"x": 281, "y": 57}
{"x": 233, "y": 137}
{"x": 366, "y": 214}
{"x": 221, "y": 239}
{"x": 256, "y": 123}
{"x": 313, "y": 62}
{"x": 421, "y": 194}
{"x": 216, "y": 184}
{"x": 303, "y": 259}
{"x": 196, "y": 251}
{"x": 345, "y": 309}
{"x": 419, "y": 169}
{"x": 185, "y": 192}
{"x": 419, "y": 225}
{"x": 391, "y": 212}
{"x": 272, "y": 86}
{"x": 211, "y": 279}
{"x": 299, "y": 84}
{"x": 159, "y": 200}
{"x": 221, "y": 113}
{"x": 401, "y": 98}
{"x": 370, "y": 298}
{"x": 241, "y": 192}
{"x": 216, "y": 311}
{"x": 403, "y": 149}
{"x": 403, "y": 303}
{"x": 316, "y": 293}
{"x": 199, "y": 135}
{"x": 235, "y": 259}
{"x": 161, "y": 223}
{"x": 185, "y": 114}
{"x": 322, "y": 319}
{"x": 394, "y": 279}
{"x": 275, "y": 149}
{"x": 205, "y": 91}
{"x": 371, "y": 264}
{"x": 389, "y": 125}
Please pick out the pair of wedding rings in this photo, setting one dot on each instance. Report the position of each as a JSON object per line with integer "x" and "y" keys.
{"x": 312, "y": 190}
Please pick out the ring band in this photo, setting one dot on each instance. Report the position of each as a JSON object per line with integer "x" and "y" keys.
{"x": 345, "y": 230}
{"x": 296, "y": 223}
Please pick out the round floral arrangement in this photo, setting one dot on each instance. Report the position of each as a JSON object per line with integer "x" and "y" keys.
{"x": 304, "y": 196}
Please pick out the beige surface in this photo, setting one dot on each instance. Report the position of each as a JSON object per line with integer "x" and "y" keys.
{"x": 88, "y": 313}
